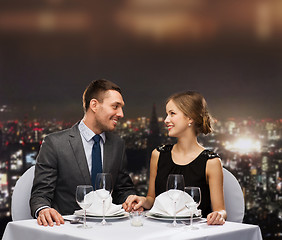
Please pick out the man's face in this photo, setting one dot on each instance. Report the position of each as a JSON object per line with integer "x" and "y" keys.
{"x": 109, "y": 111}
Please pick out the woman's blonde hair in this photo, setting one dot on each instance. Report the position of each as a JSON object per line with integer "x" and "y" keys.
{"x": 194, "y": 106}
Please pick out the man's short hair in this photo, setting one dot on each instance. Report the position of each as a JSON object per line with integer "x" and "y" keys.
{"x": 96, "y": 89}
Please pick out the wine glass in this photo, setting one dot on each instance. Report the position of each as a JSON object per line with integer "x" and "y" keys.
{"x": 104, "y": 188}
{"x": 175, "y": 187}
{"x": 83, "y": 201}
{"x": 195, "y": 193}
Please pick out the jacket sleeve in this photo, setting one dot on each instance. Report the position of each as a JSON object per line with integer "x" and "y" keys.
{"x": 45, "y": 177}
{"x": 124, "y": 185}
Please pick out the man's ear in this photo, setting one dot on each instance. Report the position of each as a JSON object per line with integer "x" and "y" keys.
{"x": 93, "y": 105}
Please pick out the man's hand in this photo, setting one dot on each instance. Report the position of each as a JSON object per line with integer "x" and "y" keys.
{"x": 48, "y": 216}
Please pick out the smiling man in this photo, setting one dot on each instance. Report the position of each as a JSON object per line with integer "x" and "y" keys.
{"x": 67, "y": 159}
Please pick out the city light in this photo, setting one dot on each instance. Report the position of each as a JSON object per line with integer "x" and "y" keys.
{"x": 244, "y": 145}
{"x": 251, "y": 149}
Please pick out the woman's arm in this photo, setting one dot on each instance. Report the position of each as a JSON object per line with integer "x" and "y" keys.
{"x": 215, "y": 179}
{"x": 135, "y": 202}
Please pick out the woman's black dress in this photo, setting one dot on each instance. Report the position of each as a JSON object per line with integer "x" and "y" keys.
{"x": 194, "y": 174}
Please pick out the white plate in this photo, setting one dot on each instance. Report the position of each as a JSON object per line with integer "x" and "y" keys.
{"x": 169, "y": 218}
{"x": 109, "y": 217}
{"x": 118, "y": 215}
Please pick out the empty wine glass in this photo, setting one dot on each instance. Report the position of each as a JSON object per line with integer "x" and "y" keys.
{"x": 83, "y": 201}
{"x": 104, "y": 188}
{"x": 195, "y": 193}
{"x": 175, "y": 187}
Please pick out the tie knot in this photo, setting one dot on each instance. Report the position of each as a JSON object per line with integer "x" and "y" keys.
{"x": 97, "y": 138}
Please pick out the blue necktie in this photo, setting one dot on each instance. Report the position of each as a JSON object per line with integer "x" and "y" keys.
{"x": 96, "y": 159}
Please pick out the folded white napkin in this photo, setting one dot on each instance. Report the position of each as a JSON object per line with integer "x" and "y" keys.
{"x": 164, "y": 205}
{"x": 96, "y": 208}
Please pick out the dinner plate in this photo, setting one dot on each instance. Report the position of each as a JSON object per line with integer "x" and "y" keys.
{"x": 169, "y": 218}
{"x": 124, "y": 215}
{"x": 117, "y": 215}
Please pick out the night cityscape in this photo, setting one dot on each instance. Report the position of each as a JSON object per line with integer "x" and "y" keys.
{"x": 250, "y": 148}
{"x": 229, "y": 51}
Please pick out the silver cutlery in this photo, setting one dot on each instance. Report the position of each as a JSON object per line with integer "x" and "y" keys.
{"x": 74, "y": 221}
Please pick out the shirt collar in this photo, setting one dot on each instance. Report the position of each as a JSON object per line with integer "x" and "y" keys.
{"x": 87, "y": 133}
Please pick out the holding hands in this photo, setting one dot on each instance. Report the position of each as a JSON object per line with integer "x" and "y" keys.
{"x": 134, "y": 203}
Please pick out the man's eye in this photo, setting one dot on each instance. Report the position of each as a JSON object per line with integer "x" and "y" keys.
{"x": 115, "y": 107}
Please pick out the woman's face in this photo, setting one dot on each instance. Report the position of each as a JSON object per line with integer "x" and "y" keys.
{"x": 176, "y": 121}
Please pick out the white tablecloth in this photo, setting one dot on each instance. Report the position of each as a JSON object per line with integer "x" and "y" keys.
{"x": 152, "y": 229}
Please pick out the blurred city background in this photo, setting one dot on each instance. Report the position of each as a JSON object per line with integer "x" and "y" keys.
{"x": 228, "y": 50}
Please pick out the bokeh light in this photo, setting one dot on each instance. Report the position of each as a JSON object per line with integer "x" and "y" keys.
{"x": 244, "y": 145}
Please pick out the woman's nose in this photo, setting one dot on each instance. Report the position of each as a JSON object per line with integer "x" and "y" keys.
{"x": 166, "y": 120}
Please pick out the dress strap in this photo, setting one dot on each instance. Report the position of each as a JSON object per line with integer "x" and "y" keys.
{"x": 210, "y": 154}
{"x": 165, "y": 148}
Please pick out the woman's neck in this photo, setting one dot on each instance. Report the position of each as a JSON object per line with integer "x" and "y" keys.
{"x": 188, "y": 145}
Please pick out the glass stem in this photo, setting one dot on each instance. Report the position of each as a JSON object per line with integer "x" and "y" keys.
{"x": 191, "y": 220}
{"x": 84, "y": 219}
{"x": 174, "y": 221}
{"x": 104, "y": 221}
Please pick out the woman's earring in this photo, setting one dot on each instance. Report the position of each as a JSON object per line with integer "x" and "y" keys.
{"x": 189, "y": 124}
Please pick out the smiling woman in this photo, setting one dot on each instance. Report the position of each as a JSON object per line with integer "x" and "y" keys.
{"x": 187, "y": 117}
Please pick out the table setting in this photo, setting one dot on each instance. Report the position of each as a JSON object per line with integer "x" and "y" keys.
{"x": 95, "y": 211}
{"x": 98, "y": 204}
{"x": 174, "y": 215}
{"x": 177, "y": 203}
{"x": 163, "y": 208}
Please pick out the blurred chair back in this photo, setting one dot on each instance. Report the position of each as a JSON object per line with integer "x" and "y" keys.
{"x": 233, "y": 197}
{"x": 21, "y": 195}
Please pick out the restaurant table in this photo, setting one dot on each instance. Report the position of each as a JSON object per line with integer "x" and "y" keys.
{"x": 122, "y": 229}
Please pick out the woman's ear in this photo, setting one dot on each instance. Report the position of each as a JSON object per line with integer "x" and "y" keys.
{"x": 190, "y": 122}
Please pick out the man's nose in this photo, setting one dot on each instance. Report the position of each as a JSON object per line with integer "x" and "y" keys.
{"x": 120, "y": 113}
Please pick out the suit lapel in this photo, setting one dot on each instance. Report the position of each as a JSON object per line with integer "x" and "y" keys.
{"x": 79, "y": 154}
{"x": 108, "y": 158}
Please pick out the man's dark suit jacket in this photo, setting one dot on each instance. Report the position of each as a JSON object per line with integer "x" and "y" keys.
{"x": 61, "y": 166}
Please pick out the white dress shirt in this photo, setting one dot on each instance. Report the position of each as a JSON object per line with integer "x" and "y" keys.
{"x": 88, "y": 141}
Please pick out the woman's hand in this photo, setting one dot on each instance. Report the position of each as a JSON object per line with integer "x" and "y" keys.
{"x": 216, "y": 218}
{"x": 134, "y": 202}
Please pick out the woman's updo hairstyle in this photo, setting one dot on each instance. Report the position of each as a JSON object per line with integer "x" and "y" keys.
{"x": 194, "y": 106}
